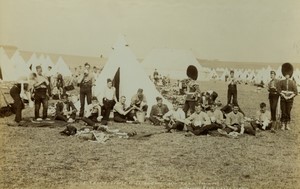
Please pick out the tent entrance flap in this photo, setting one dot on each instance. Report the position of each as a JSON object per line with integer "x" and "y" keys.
{"x": 116, "y": 83}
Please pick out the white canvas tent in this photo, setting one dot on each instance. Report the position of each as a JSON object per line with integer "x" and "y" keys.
{"x": 173, "y": 62}
{"x": 131, "y": 73}
{"x": 33, "y": 62}
{"x": 48, "y": 62}
{"x": 225, "y": 73}
{"x": 213, "y": 75}
{"x": 21, "y": 68}
{"x": 7, "y": 68}
{"x": 62, "y": 68}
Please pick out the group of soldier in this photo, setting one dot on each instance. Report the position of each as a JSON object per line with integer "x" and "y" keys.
{"x": 202, "y": 112}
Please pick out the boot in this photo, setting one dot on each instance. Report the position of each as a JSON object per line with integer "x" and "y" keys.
{"x": 273, "y": 127}
{"x": 287, "y": 127}
{"x": 276, "y": 124}
{"x": 282, "y": 126}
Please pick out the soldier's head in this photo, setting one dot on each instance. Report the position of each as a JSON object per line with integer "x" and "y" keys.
{"x": 263, "y": 107}
{"x": 140, "y": 92}
{"x": 87, "y": 66}
{"x": 109, "y": 83}
{"x": 231, "y": 73}
{"x": 213, "y": 107}
{"x": 235, "y": 108}
{"x": 272, "y": 74}
{"x": 39, "y": 70}
{"x": 64, "y": 97}
{"x": 94, "y": 100}
{"x": 123, "y": 99}
{"x": 175, "y": 106}
{"x": 159, "y": 101}
{"x": 198, "y": 108}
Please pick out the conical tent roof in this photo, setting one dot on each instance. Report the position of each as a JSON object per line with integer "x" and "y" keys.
{"x": 62, "y": 68}
{"x": 33, "y": 62}
{"x": 48, "y": 62}
{"x": 173, "y": 62}
{"x": 21, "y": 69}
{"x": 42, "y": 62}
{"x": 224, "y": 74}
{"x": 7, "y": 68}
{"x": 132, "y": 75}
{"x": 42, "y": 59}
{"x": 213, "y": 74}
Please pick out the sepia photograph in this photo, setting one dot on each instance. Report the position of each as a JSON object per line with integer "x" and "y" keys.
{"x": 169, "y": 94}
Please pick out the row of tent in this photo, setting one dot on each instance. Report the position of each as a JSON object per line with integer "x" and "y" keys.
{"x": 257, "y": 76}
{"x": 127, "y": 72}
{"x": 122, "y": 66}
{"x": 14, "y": 68}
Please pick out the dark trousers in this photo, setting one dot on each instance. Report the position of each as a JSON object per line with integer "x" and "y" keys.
{"x": 155, "y": 121}
{"x": 64, "y": 117}
{"x": 255, "y": 125}
{"x": 91, "y": 120}
{"x": 232, "y": 94}
{"x": 273, "y": 99}
{"x": 40, "y": 97}
{"x": 49, "y": 87}
{"x": 286, "y": 107}
{"x": 107, "y": 107}
{"x": 18, "y": 103}
{"x": 123, "y": 118}
{"x": 85, "y": 91}
{"x": 189, "y": 105}
{"x": 248, "y": 129}
{"x": 202, "y": 130}
{"x": 177, "y": 125}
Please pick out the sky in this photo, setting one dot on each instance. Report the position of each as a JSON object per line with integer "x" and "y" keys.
{"x": 231, "y": 30}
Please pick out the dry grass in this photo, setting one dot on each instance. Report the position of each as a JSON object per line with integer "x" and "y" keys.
{"x": 33, "y": 157}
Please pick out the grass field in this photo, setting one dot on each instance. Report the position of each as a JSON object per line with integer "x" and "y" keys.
{"x": 32, "y": 157}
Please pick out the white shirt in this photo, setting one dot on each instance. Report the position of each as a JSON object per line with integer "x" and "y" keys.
{"x": 263, "y": 117}
{"x": 177, "y": 115}
{"x": 109, "y": 93}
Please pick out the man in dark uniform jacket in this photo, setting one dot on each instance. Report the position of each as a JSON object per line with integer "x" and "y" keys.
{"x": 273, "y": 96}
{"x": 192, "y": 96}
{"x": 86, "y": 81}
{"x": 232, "y": 89}
{"x": 18, "y": 105}
{"x": 288, "y": 90}
{"x": 65, "y": 110}
{"x": 158, "y": 111}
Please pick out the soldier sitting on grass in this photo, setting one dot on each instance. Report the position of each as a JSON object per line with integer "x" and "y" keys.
{"x": 199, "y": 122}
{"x": 65, "y": 110}
{"x": 158, "y": 111}
{"x": 262, "y": 119}
{"x": 216, "y": 115}
{"x": 122, "y": 114}
{"x": 92, "y": 114}
{"x": 235, "y": 122}
{"x": 175, "y": 118}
